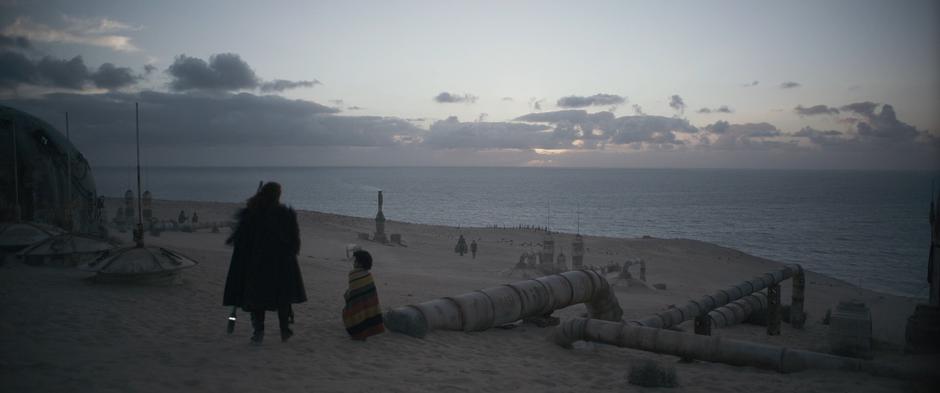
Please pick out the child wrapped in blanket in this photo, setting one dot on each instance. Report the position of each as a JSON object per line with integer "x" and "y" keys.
{"x": 362, "y": 314}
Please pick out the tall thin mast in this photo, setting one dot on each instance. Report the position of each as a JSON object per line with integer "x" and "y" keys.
{"x": 68, "y": 176}
{"x": 140, "y": 216}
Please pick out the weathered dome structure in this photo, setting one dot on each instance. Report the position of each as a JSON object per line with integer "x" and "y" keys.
{"x": 16, "y": 235}
{"x": 137, "y": 263}
{"x": 66, "y": 249}
{"x": 42, "y": 173}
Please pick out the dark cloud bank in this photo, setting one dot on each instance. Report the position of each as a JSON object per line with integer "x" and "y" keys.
{"x": 217, "y": 119}
{"x": 205, "y": 110}
{"x": 18, "y": 69}
{"x": 224, "y": 72}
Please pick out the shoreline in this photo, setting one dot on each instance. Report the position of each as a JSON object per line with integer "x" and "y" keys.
{"x": 369, "y": 221}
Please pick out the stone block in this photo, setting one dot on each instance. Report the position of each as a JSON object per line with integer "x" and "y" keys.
{"x": 850, "y": 330}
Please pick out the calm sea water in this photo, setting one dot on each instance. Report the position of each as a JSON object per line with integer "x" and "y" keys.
{"x": 868, "y": 228}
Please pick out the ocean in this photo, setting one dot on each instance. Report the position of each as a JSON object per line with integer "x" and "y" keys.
{"x": 865, "y": 227}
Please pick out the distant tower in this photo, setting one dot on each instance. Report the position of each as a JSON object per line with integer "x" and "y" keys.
{"x": 380, "y": 224}
{"x": 577, "y": 253}
{"x": 547, "y": 256}
{"x": 561, "y": 265}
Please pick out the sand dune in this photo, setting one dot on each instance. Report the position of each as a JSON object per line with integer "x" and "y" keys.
{"x": 58, "y": 332}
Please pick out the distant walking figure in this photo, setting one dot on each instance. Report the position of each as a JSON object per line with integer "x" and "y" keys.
{"x": 362, "y": 314}
{"x": 461, "y": 247}
{"x": 473, "y": 249}
{"x": 264, "y": 274}
{"x": 195, "y": 219}
{"x": 182, "y": 217}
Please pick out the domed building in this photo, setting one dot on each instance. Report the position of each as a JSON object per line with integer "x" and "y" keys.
{"x": 41, "y": 154}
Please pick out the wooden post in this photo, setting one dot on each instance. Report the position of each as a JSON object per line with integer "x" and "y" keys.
{"x": 773, "y": 310}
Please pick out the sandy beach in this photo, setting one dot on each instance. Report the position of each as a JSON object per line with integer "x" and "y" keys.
{"x": 62, "y": 333}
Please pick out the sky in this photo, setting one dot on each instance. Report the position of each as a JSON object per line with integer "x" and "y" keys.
{"x": 678, "y": 84}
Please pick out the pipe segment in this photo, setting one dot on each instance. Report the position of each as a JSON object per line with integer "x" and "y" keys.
{"x": 721, "y": 297}
{"x": 489, "y": 307}
{"x": 721, "y": 350}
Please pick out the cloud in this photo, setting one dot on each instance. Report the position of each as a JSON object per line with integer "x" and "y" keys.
{"x": 751, "y": 84}
{"x": 454, "y": 134}
{"x": 94, "y": 32}
{"x": 829, "y": 139}
{"x": 280, "y": 85}
{"x": 866, "y": 108}
{"x": 72, "y": 74}
{"x": 676, "y": 102}
{"x": 569, "y": 115}
{"x": 213, "y": 120}
{"x": 815, "y": 110}
{"x": 507, "y": 99}
{"x": 601, "y": 99}
{"x": 870, "y": 130}
{"x": 595, "y": 130}
{"x": 149, "y": 69}
{"x": 223, "y": 72}
{"x": 638, "y": 110}
{"x": 720, "y": 109}
{"x": 749, "y": 130}
{"x": 16, "y": 69}
{"x": 746, "y": 136}
{"x": 112, "y": 77}
{"x": 14, "y": 42}
{"x": 789, "y": 85}
{"x": 884, "y": 129}
{"x": 97, "y": 25}
{"x": 449, "y": 98}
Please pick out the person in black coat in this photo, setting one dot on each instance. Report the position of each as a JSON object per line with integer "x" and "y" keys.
{"x": 264, "y": 274}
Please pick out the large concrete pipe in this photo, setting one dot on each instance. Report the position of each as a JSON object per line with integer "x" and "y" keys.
{"x": 737, "y": 311}
{"x": 720, "y": 350}
{"x": 485, "y": 308}
{"x": 676, "y": 315}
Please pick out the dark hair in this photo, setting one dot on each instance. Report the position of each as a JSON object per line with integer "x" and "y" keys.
{"x": 363, "y": 259}
{"x": 267, "y": 196}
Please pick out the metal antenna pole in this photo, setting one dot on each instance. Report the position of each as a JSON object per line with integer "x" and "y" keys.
{"x": 16, "y": 176}
{"x": 139, "y": 238}
{"x": 68, "y": 176}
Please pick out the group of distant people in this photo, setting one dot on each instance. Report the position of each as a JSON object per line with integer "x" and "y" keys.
{"x": 182, "y": 217}
{"x": 461, "y": 247}
{"x": 264, "y": 274}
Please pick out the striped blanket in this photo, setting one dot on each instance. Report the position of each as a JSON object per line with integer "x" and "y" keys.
{"x": 362, "y": 314}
